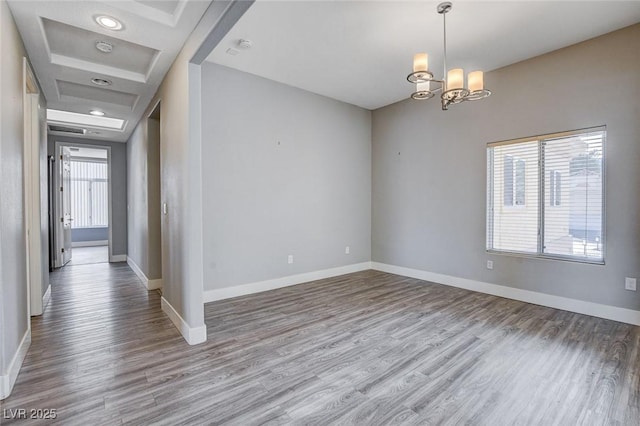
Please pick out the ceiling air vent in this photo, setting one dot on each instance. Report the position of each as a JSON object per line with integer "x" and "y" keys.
{"x": 65, "y": 129}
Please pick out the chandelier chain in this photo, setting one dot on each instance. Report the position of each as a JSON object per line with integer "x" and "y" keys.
{"x": 444, "y": 26}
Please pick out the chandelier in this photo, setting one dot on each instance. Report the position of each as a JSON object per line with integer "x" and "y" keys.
{"x": 452, "y": 88}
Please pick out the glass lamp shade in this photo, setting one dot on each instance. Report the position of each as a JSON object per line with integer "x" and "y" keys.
{"x": 420, "y": 62}
{"x": 475, "y": 81}
{"x": 455, "y": 79}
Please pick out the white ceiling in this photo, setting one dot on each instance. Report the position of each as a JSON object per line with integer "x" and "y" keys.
{"x": 60, "y": 38}
{"x": 360, "y": 52}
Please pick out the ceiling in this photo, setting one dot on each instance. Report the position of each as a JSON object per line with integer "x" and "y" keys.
{"x": 61, "y": 36}
{"x": 360, "y": 52}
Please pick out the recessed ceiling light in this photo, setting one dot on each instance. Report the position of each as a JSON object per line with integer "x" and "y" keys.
{"x": 101, "y": 82}
{"x": 104, "y": 47}
{"x": 96, "y": 112}
{"x": 109, "y": 22}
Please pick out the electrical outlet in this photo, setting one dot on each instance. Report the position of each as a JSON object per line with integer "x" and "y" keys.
{"x": 489, "y": 264}
{"x": 347, "y": 250}
{"x": 630, "y": 284}
{"x": 290, "y": 259}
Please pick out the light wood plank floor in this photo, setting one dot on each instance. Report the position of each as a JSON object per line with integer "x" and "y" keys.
{"x": 366, "y": 348}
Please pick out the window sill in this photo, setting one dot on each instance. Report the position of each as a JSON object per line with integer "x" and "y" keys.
{"x": 524, "y": 255}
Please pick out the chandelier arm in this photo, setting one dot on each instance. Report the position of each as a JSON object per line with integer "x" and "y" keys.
{"x": 441, "y": 88}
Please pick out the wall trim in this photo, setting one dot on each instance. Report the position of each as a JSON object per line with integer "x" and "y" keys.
{"x": 118, "y": 258}
{"x": 599, "y": 310}
{"x": 260, "y": 286}
{"x": 9, "y": 379}
{"x": 193, "y": 335}
{"x": 149, "y": 284}
{"x": 90, "y": 243}
{"x": 154, "y": 284}
{"x": 137, "y": 270}
{"x": 46, "y": 298}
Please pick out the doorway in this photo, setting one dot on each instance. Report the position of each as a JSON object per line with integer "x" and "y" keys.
{"x": 34, "y": 166}
{"x": 83, "y": 204}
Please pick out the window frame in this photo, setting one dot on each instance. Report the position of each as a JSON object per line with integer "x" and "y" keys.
{"x": 490, "y": 197}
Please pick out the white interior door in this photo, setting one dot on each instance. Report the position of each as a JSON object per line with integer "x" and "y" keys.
{"x": 65, "y": 203}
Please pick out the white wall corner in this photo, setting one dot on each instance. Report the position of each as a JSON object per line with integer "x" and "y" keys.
{"x": 260, "y": 286}
{"x": 193, "y": 335}
{"x": 8, "y": 379}
{"x": 46, "y": 298}
{"x": 118, "y": 258}
{"x": 628, "y": 316}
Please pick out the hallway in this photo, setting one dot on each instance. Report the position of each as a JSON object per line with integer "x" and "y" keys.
{"x": 93, "y": 346}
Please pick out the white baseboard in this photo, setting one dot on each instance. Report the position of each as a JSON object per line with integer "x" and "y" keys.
{"x": 260, "y": 286}
{"x": 193, "y": 335}
{"x": 136, "y": 269}
{"x": 118, "y": 258}
{"x": 8, "y": 379}
{"x": 149, "y": 284}
{"x": 154, "y": 284}
{"x": 46, "y": 298}
{"x": 90, "y": 243}
{"x": 628, "y": 316}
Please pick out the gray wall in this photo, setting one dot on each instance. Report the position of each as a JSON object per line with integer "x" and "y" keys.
{"x": 154, "y": 203}
{"x": 118, "y": 187}
{"x": 13, "y": 280}
{"x": 429, "y": 169}
{"x": 285, "y": 172}
{"x": 180, "y": 174}
{"x": 143, "y": 165}
{"x": 89, "y": 234}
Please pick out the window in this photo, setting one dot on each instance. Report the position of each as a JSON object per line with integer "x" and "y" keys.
{"x": 89, "y": 193}
{"x": 545, "y": 196}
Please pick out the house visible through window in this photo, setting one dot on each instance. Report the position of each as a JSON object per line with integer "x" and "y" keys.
{"x": 89, "y": 193}
{"x": 556, "y": 183}
{"x": 514, "y": 181}
{"x": 555, "y": 188}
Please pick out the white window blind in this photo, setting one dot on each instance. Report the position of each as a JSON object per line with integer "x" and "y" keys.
{"x": 513, "y": 170}
{"x": 89, "y": 193}
{"x": 545, "y": 196}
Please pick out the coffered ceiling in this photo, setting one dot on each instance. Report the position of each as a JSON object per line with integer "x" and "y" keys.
{"x": 63, "y": 41}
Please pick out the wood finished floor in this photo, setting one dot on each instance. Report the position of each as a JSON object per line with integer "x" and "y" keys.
{"x": 366, "y": 348}
{"x": 87, "y": 255}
